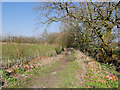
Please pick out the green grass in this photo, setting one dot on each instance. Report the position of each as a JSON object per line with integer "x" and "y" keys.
{"x": 68, "y": 80}
{"x": 18, "y": 53}
{"x": 73, "y": 56}
{"x": 99, "y": 84}
{"x": 25, "y": 50}
{"x": 66, "y": 75}
{"x": 20, "y": 71}
{"x": 93, "y": 82}
{"x": 44, "y": 71}
{"x": 8, "y": 78}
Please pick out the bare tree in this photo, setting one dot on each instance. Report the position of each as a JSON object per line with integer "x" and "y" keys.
{"x": 98, "y": 19}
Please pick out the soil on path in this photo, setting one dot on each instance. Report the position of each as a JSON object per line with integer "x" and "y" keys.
{"x": 51, "y": 80}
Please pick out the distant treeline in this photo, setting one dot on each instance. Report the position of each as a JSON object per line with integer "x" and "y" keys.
{"x": 20, "y": 39}
{"x": 60, "y": 38}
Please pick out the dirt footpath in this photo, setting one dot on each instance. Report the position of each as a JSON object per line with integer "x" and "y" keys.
{"x": 51, "y": 80}
{"x": 70, "y": 69}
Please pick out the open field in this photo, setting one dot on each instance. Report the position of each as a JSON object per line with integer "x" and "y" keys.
{"x": 17, "y": 53}
{"x": 12, "y": 51}
{"x": 25, "y": 50}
